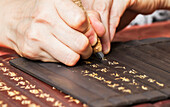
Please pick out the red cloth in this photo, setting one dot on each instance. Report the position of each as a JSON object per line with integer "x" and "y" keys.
{"x": 5, "y": 51}
{"x": 160, "y": 29}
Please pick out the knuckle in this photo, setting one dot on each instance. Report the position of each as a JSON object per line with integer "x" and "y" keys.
{"x": 33, "y": 34}
{"x": 36, "y": 36}
{"x": 28, "y": 52}
{"x": 43, "y": 19}
{"x": 80, "y": 22}
{"x": 82, "y": 44}
{"x": 43, "y": 16}
{"x": 33, "y": 37}
{"x": 102, "y": 6}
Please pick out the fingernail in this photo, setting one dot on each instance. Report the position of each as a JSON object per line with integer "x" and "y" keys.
{"x": 93, "y": 39}
{"x": 106, "y": 48}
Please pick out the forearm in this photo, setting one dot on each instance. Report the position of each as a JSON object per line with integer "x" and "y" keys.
{"x": 165, "y": 4}
{"x": 149, "y": 6}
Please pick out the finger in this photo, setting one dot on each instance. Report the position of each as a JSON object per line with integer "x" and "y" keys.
{"x": 91, "y": 35}
{"x": 58, "y": 50}
{"x": 103, "y": 8}
{"x": 73, "y": 39}
{"x": 73, "y": 15}
{"x": 76, "y": 41}
{"x": 61, "y": 52}
{"x": 76, "y": 18}
{"x": 53, "y": 46}
{"x": 117, "y": 10}
{"x": 39, "y": 40}
{"x": 62, "y": 32}
{"x": 96, "y": 23}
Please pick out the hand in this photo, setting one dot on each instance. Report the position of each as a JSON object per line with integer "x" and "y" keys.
{"x": 47, "y": 30}
{"x": 117, "y": 14}
{"x": 102, "y": 7}
{"x": 124, "y": 11}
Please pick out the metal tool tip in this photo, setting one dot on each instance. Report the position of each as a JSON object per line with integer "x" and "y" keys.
{"x": 100, "y": 55}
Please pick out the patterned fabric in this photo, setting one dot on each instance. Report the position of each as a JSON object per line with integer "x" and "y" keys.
{"x": 159, "y": 15}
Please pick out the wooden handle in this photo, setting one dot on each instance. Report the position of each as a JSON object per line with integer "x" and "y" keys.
{"x": 79, "y": 3}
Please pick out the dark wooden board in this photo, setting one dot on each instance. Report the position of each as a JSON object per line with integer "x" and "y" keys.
{"x": 134, "y": 72}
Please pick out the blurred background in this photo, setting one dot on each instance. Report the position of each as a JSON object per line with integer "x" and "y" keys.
{"x": 157, "y": 16}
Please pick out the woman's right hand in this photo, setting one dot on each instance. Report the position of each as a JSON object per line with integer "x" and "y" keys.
{"x": 47, "y": 30}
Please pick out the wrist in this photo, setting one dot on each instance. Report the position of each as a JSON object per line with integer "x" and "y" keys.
{"x": 12, "y": 13}
{"x": 144, "y": 6}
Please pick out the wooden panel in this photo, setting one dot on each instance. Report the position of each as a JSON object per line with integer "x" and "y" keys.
{"x": 134, "y": 72}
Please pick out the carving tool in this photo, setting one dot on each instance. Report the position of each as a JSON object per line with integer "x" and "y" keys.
{"x": 97, "y": 48}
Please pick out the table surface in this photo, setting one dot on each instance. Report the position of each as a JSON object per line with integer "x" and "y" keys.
{"x": 20, "y": 89}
